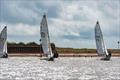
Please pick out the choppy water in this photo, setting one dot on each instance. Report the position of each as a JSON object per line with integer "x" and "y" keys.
{"x": 81, "y": 68}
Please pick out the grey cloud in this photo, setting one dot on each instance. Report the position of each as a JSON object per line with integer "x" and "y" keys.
{"x": 29, "y": 12}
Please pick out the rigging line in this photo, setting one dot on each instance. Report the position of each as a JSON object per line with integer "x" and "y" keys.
{"x": 118, "y": 25}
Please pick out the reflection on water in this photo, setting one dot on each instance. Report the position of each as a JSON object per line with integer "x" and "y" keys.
{"x": 32, "y": 68}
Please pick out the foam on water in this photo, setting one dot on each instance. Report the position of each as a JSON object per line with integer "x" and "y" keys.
{"x": 81, "y": 68}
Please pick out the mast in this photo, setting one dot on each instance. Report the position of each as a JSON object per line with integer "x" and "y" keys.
{"x": 118, "y": 42}
{"x": 6, "y": 40}
{"x": 118, "y": 36}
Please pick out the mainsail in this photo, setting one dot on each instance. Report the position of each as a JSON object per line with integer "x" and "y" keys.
{"x": 45, "y": 40}
{"x": 3, "y": 42}
{"x": 101, "y": 48}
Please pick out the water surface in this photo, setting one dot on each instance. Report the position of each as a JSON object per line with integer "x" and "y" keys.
{"x": 66, "y": 68}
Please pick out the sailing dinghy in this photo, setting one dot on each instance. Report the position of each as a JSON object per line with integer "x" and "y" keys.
{"x": 45, "y": 39}
{"x": 101, "y": 48}
{"x": 3, "y": 43}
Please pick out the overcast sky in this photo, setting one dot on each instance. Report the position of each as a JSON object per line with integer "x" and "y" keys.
{"x": 71, "y": 22}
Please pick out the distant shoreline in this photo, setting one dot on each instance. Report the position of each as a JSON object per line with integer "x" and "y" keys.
{"x": 60, "y": 55}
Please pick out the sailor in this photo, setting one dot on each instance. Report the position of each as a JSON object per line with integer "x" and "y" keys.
{"x": 109, "y": 53}
{"x": 54, "y": 51}
{"x": 107, "y": 57}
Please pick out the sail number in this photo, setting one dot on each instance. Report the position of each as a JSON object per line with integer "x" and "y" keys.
{"x": 43, "y": 34}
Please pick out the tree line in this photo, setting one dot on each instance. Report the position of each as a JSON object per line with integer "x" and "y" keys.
{"x": 59, "y": 49}
{"x": 14, "y": 44}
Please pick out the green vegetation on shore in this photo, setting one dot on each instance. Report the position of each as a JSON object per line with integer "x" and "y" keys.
{"x": 59, "y": 50}
{"x": 83, "y": 50}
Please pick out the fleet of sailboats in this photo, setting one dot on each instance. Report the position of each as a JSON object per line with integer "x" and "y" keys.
{"x": 45, "y": 41}
{"x": 101, "y": 47}
{"x": 3, "y": 43}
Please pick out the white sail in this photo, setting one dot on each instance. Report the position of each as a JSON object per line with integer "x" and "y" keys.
{"x": 101, "y": 48}
{"x": 3, "y": 42}
{"x": 45, "y": 40}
